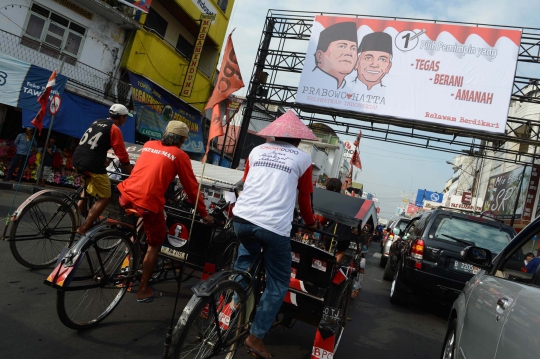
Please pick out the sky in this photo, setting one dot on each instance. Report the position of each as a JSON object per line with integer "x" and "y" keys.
{"x": 388, "y": 169}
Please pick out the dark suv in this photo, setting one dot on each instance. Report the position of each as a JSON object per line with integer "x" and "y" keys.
{"x": 427, "y": 258}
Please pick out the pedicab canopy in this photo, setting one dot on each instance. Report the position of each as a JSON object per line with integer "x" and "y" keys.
{"x": 350, "y": 211}
{"x": 212, "y": 173}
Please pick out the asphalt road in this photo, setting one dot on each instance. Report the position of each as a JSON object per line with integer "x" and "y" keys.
{"x": 30, "y": 328}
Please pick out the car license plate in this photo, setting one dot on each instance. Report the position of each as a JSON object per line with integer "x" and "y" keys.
{"x": 464, "y": 267}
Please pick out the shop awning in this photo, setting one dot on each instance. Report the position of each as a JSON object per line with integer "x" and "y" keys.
{"x": 76, "y": 114}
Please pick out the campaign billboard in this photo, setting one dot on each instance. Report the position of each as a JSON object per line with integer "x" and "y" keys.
{"x": 502, "y": 191}
{"x": 423, "y": 195}
{"x": 444, "y": 74}
{"x": 156, "y": 107}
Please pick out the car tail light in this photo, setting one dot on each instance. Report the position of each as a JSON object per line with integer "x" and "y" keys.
{"x": 417, "y": 252}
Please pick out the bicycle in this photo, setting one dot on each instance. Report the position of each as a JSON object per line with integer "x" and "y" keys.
{"x": 93, "y": 276}
{"x": 45, "y": 224}
{"x": 208, "y": 327}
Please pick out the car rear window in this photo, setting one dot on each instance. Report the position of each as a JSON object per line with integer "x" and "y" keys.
{"x": 401, "y": 225}
{"x": 477, "y": 233}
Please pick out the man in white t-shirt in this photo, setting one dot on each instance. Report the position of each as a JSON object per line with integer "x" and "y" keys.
{"x": 275, "y": 172}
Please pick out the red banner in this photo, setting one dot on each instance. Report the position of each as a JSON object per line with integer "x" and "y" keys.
{"x": 143, "y": 5}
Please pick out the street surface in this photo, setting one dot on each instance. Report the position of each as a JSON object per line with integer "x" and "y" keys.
{"x": 31, "y": 329}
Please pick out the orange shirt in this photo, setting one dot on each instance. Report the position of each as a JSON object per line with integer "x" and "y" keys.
{"x": 154, "y": 171}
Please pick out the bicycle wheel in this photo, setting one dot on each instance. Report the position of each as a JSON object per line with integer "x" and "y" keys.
{"x": 40, "y": 232}
{"x": 98, "y": 283}
{"x": 207, "y": 325}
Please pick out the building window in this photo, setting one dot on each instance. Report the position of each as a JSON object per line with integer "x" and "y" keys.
{"x": 223, "y": 4}
{"x": 155, "y": 22}
{"x": 53, "y": 34}
{"x": 184, "y": 47}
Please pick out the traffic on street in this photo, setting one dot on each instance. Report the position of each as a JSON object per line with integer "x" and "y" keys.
{"x": 32, "y": 329}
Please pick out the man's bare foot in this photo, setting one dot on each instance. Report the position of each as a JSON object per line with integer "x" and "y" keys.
{"x": 257, "y": 345}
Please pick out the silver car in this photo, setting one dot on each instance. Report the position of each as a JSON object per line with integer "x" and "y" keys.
{"x": 497, "y": 315}
{"x": 400, "y": 224}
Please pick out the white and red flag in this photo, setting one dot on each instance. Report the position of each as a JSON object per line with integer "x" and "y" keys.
{"x": 43, "y": 100}
{"x": 355, "y": 159}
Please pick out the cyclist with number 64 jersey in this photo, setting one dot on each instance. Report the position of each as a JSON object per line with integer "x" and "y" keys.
{"x": 90, "y": 156}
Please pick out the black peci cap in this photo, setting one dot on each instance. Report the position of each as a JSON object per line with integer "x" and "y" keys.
{"x": 376, "y": 41}
{"x": 339, "y": 31}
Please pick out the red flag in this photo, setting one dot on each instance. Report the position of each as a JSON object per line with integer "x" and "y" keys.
{"x": 355, "y": 159}
{"x": 229, "y": 79}
{"x": 43, "y": 99}
{"x": 216, "y": 126}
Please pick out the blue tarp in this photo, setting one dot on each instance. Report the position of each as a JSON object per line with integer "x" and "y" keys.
{"x": 76, "y": 114}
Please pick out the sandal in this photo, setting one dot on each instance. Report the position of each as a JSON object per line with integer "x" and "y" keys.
{"x": 150, "y": 299}
{"x": 256, "y": 353}
{"x": 355, "y": 293}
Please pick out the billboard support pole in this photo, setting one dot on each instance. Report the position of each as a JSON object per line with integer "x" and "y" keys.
{"x": 517, "y": 197}
{"x": 253, "y": 89}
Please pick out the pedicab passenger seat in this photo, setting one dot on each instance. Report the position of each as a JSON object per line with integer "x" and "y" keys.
{"x": 312, "y": 271}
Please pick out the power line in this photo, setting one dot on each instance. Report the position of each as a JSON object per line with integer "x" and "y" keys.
{"x": 401, "y": 158}
{"x": 380, "y": 149}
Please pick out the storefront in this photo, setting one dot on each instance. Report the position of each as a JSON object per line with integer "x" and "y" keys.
{"x": 156, "y": 106}
{"x": 23, "y": 84}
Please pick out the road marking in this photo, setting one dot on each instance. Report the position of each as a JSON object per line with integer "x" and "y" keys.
{"x": 377, "y": 255}
{"x": 377, "y": 280}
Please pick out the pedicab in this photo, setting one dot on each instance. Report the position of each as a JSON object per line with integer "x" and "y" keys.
{"x": 320, "y": 288}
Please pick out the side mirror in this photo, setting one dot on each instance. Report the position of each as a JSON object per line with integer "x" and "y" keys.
{"x": 477, "y": 256}
{"x": 396, "y": 231}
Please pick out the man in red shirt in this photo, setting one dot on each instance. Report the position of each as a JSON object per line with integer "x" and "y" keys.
{"x": 144, "y": 190}
{"x": 89, "y": 159}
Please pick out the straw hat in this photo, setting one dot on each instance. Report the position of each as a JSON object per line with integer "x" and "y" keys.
{"x": 288, "y": 125}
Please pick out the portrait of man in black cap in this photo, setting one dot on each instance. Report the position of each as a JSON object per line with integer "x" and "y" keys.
{"x": 374, "y": 59}
{"x": 336, "y": 53}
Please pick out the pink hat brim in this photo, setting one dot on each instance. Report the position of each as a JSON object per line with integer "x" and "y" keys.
{"x": 290, "y": 126}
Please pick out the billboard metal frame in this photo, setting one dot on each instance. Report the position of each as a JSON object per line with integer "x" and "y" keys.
{"x": 278, "y": 60}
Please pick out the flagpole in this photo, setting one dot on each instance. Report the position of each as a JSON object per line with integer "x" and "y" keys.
{"x": 39, "y": 173}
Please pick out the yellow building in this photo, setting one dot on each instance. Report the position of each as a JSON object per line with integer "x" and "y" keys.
{"x": 162, "y": 51}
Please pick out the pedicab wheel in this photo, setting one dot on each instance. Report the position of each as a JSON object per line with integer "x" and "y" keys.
{"x": 341, "y": 300}
{"x": 196, "y": 334}
{"x": 41, "y": 231}
{"x": 97, "y": 285}
{"x": 449, "y": 348}
{"x": 398, "y": 291}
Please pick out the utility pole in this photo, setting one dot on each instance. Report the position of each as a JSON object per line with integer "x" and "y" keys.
{"x": 253, "y": 88}
{"x": 39, "y": 173}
